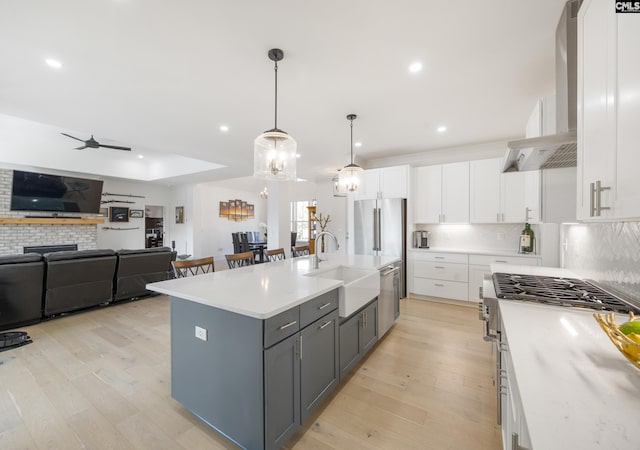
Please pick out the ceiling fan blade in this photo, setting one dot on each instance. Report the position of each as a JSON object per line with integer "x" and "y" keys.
{"x": 72, "y": 137}
{"x": 127, "y": 149}
{"x": 80, "y": 148}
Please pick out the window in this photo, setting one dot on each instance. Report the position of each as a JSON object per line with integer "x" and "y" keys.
{"x": 299, "y": 219}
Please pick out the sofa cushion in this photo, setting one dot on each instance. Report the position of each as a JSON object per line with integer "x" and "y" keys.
{"x": 18, "y": 259}
{"x": 77, "y": 254}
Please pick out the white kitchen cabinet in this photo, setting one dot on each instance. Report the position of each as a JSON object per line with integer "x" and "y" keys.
{"x": 608, "y": 112}
{"x": 515, "y": 432}
{"x": 497, "y": 197}
{"x": 479, "y": 266}
{"x": 386, "y": 182}
{"x": 427, "y": 194}
{"x": 441, "y": 193}
{"x": 443, "y": 275}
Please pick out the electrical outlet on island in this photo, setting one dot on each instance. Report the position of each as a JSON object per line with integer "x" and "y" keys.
{"x": 201, "y": 333}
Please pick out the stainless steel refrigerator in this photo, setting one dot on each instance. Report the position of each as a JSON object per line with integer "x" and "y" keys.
{"x": 380, "y": 228}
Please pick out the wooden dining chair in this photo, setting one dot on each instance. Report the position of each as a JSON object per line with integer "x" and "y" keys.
{"x": 240, "y": 260}
{"x": 192, "y": 267}
{"x": 275, "y": 255}
{"x": 301, "y": 250}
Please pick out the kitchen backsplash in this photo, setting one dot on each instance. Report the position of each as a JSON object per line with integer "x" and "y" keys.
{"x": 605, "y": 252}
{"x": 500, "y": 237}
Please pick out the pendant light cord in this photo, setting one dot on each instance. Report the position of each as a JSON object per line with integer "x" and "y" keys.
{"x": 351, "y": 141}
{"x": 275, "y": 69}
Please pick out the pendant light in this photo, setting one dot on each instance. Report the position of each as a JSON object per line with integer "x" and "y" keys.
{"x": 350, "y": 175}
{"x": 274, "y": 151}
{"x": 338, "y": 189}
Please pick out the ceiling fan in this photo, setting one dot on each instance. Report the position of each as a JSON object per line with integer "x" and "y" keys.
{"x": 92, "y": 143}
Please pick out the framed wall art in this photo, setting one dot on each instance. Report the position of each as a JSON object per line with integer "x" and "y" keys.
{"x": 136, "y": 213}
{"x": 118, "y": 214}
{"x": 236, "y": 210}
{"x": 179, "y": 214}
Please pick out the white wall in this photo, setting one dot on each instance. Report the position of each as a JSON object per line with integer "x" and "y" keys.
{"x": 211, "y": 233}
{"x": 181, "y": 233}
{"x": 154, "y": 194}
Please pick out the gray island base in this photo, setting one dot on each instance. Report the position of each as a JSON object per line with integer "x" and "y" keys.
{"x": 256, "y": 381}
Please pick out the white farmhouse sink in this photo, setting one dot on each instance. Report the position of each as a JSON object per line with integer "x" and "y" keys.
{"x": 360, "y": 286}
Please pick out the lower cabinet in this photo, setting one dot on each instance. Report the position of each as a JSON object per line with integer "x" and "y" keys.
{"x": 257, "y": 381}
{"x": 515, "y": 433}
{"x": 300, "y": 372}
{"x": 358, "y": 333}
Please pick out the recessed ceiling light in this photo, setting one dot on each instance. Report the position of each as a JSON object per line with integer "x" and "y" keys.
{"x": 224, "y": 128}
{"x": 298, "y": 155}
{"x": 357, "y": 144}
{"x": 415, "y": 67}
{"x": 140, "y": 156}
{"x": 442, "y": 129}
{"x": 53, "y": 63}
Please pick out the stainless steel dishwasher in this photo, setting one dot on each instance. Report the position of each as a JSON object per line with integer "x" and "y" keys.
{"x": 389, "y": 298}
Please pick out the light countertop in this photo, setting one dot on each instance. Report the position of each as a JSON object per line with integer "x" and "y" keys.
{"x": 476, "y": 252}
{"x": 533, "y": 270}
{"x": 577, "y": 390}
{"x": 264, "y": 290}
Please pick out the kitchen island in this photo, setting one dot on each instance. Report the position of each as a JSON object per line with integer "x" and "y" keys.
{"x": 254, "y": 350}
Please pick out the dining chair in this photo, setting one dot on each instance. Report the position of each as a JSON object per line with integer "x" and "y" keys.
{"x": 192, "y": 267}
{"x": 240, "y": 259}
{"x": 301, "y": 250}
{"x": 244, "y": 242}
{"x": 275, "y": 255}
{"x": 236, "y": 242}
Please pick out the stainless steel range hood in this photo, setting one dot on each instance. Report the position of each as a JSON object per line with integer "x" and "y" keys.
{"x": 560, "y": 149}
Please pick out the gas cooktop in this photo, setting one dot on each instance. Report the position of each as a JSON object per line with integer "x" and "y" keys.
{"x": 559, "y": 291}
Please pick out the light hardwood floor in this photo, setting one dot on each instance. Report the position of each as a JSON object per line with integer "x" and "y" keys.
{"x": 101, "y": 380}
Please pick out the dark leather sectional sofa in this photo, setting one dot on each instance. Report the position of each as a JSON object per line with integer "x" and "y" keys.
{"x": 34, "y": 287}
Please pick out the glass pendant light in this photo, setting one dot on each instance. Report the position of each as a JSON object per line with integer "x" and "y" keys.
{"x": 274, "y": 151}
{"x": 350, "y": 175}
{"x": 339, "y": 190}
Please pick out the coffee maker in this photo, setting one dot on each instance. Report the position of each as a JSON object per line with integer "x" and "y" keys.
{"x": 421, "y": 239}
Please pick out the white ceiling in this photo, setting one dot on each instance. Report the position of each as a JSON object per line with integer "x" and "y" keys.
{"x": 162, "y": 76}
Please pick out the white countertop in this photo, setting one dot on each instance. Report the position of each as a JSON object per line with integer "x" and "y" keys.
{"x": 476, "y": 252}
{"x": 264, "y": 290}
{"x": 577, "y": 390}
{"x": 533, "y": 270}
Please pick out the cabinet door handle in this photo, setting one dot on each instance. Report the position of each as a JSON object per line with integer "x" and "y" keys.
{"x": 300, "y": 347}
{"x": 326, "y": 324}
{"x": 287, "y": 325}
{"x": 439, "y": 257}
{"x": 501, "y": 261}
{"x": 515, "y": 442}
{"x": 438, "y": 267}
{"x": 527, "y": 210}
{"x": 497, "y": 217}
{"x": 439, "y": 285}
{"x": 324, "y": 306}
{"x": 598, "y": 195}
{"x": 592, "y": 193}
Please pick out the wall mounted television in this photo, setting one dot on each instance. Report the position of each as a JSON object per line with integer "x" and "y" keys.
{"x": 33, "y": 191}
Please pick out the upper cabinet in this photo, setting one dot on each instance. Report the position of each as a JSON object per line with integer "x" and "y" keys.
{"x": 497, "y": 197}
{"x": 441, "y": 193}
{"x": 608, "y": 113}
{"x": 387, "y": 182}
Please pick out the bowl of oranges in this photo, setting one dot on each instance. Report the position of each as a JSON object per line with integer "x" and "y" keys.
{"x": 626, "y": 337}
